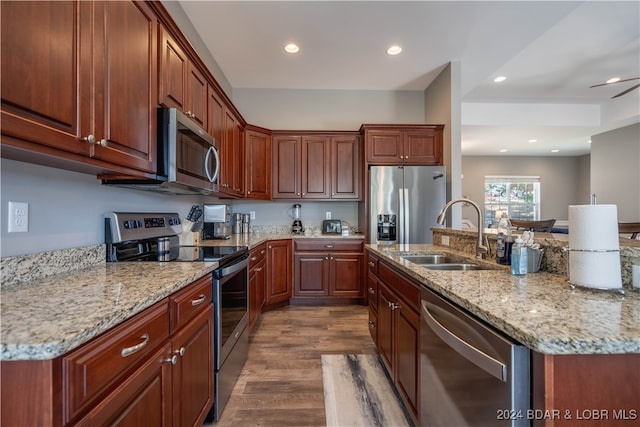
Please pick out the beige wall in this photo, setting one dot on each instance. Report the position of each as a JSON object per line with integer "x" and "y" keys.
{"x": 615, "y": 170}
{"x": 561, "y": 180}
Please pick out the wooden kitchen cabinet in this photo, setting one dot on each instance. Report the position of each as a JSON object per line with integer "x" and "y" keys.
{"x": 80, "y": 90}
{"x": 328, "y": 268}
{"x": 231, "y": 155}
{"x": 316, "y": 166}
{"x": 372, "y": 294}
{"x": 257, "y": 163}
{"x": 398, "y": 333}
{"x": 155, "y": 368}
{"x": 257, "y": 282}
{"x": 182, "y": 85}
{"x": 403, "y": 144}
{"x": 279, "y": 271}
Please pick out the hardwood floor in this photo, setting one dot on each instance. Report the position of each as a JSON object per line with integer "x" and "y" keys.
{"x": 281, "y": 383}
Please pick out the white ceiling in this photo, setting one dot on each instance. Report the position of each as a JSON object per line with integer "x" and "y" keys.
{"x": 550, "y": 51}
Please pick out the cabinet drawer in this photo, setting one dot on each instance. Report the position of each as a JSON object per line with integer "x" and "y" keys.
{"x": 372, "y": 263}
{"x": 354, "y": 245}
{"x": 256, "y": 255}
{"x": 99, "y": 365}
{"x": 402, "y": 285}
{"x": 188, "y": 302}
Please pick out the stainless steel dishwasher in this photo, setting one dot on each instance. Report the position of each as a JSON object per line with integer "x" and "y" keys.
{"x": 471, "y": 375}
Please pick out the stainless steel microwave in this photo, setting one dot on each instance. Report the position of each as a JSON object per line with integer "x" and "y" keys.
{"x": 188, "y": 161}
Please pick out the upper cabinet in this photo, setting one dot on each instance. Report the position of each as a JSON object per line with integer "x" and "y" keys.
{"x": 81, "y": 85}
{"x": 182, "y": 85}
{"x": 316, "y": 166}
{"x": 403, "y": 144}
{"x": 257, "y": 160}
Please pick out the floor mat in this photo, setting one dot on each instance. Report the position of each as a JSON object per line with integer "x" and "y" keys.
{"x": 357, "y": 392}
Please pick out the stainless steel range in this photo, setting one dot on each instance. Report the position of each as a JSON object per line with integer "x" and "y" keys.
{"x": 153, "y": 237}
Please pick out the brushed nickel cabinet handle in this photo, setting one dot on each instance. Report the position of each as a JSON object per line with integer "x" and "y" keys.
{"x": 173, "y": 359}
{"x": 372, "y": 324}
{"x": 372, "y": 264}
{"x": 329, "y": 246}
{"x": 90, "y": 139}
{"x": 200, "y": 300}
{"x": 135, "y": 348}
{"x": 103, "y": 143}
{"x": 181, "y": 351}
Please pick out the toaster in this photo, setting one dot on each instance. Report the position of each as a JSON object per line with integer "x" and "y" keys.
{"x": 331, "y": 226}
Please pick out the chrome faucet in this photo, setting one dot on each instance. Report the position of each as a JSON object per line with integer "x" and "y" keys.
{"x": 482, "y": 247}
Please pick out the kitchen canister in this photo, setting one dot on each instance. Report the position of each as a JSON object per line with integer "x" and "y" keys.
{"x": 594, "y": 247}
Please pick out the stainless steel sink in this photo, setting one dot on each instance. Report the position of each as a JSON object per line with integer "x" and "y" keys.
{"x": 453, "y": 266}
{"x": 443, "y": 262}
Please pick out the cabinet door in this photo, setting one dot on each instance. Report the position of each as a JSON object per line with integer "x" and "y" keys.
{"x": 279, "y": 271}
{"x": 315, "y": 170}
{"x": 41, "y": 73}
{"x": 406, "y": 354}
{"x": 193, "y": 388}
{"x": 257, "y": 277}
{"x": 384, "y": 147}
{"x": 197, "y": 96}
{"x": 174, "y": 66}
{"x": 423, "y": 147}
{"x": 231, "y": 171}
{"x": 345, "y": 167}
{"x": 125, "y": 91}
{"x": 373, "y": 325}
{"x": 346, "y": 274}
{"x": 385, "y": 323}
{"x": 311, "y": 274}
{"x": 215, "y": 114}
{"x": 258, "y": 165}
{"x": 142, "y": 399}
{"x": 287, "y": 158}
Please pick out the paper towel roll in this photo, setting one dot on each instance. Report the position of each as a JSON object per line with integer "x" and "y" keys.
{"x": 593, "y": 227}
{"x": 599, "y": 270}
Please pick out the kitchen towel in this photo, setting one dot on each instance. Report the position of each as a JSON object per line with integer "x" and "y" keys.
{"x": 593, "y": 227}
{"x": 594, "y": 246}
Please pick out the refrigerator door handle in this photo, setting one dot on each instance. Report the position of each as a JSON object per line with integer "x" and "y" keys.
{"x": 401, "y": 224}
{"x": 406, "y": 216}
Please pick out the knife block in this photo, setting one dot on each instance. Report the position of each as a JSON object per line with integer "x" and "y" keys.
{"x": 188, "y": 237}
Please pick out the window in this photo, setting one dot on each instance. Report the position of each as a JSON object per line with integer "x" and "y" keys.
{"x": 518, "y": 196}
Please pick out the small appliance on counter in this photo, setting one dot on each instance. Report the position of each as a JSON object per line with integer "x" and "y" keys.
{"x": 217, "y": 222}
{"x": 294, "y": 212}
{"x": 331, "y": 226}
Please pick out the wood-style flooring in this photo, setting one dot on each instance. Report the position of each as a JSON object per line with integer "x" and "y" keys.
{"x": 281, "y": 383}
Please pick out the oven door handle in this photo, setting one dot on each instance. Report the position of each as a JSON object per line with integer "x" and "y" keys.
{"x": 233, "y": 268}
{"x": 466, "y": 350}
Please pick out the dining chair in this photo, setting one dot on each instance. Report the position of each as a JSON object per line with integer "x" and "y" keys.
{"x": 541, "y": 226}
{"x": 632, "y": 228}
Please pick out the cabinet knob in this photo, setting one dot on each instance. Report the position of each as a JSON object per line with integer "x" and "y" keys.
{"x": 371, "y": 264}
{"x": 173, "y": 359}
{"x": 90, "y": 139}
{"x": 262, "y": 251}
{"x": 372, "y": 291}
{"x": 298, "y": 194}
{"x": 180, "y": 352}
{"x": 103, "y": 143}
{"x": 326, "y": 257}
{"x": 304, "y": 194}
{"x": 372, "y": 324}
{"x": 248, "y": 192}
{"x": 401, "y": 157}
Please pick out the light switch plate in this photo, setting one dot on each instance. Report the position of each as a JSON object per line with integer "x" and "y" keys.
{"x": 327, "y": 215}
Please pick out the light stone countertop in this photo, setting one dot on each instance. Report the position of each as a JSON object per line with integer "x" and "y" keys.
{"x": 53, "y": 302}
{"x": 540, "y": 310}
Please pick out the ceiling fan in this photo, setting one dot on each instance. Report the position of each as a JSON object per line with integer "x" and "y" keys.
{"x": 620, "y": 81}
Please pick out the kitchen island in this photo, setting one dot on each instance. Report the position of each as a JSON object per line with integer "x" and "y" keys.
{"x": 585, "y": 344}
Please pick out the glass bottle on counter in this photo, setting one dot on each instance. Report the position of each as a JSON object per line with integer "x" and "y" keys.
{"x": 503, "y": 252}
{"x": 518, "y": 258}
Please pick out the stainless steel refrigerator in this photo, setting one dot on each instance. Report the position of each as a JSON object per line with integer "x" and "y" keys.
{"x": 404, "y": 202}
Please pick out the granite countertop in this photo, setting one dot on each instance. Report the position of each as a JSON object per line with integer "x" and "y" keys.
{"x": 52, "y": 302}
{"x": 540, "y": 310}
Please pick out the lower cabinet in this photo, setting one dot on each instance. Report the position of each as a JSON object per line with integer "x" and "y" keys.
{"x": 398, "y": 333}
{"x": 257, "y": 282}
{"x": 153, "y": 369}
{"x": 328, "y": 268}
{"x": 279, "y": 273}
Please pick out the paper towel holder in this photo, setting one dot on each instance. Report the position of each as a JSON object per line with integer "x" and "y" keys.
{"x": 574, "y": 285}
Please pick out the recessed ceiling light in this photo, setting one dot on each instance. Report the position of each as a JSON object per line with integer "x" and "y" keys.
{"x": 533, "y": 140}
{"x": 500, "y": 79}
{"x": 504, "y": 150}
{"x": 394, "y": 50}
{"x": 292, "y": 48}
{"x": 613, "y": 80}
{"x": 555, "y": 151}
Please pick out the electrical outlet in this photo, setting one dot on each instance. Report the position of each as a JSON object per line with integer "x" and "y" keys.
{"x": 327, "y": 215}
{"x": 18, "y": 217}
{"x": 252, "y": 214}
{"x": 445, "y": 240}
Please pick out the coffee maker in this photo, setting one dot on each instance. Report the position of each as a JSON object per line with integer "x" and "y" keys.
{"x": 294, "y": 212}
{"x": 217, "y": 222}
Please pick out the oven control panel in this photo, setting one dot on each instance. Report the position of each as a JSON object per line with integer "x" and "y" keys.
{"x": 125, "y": 226}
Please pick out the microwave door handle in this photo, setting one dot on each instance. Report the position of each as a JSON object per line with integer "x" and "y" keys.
{"x": 212, "y": 149}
